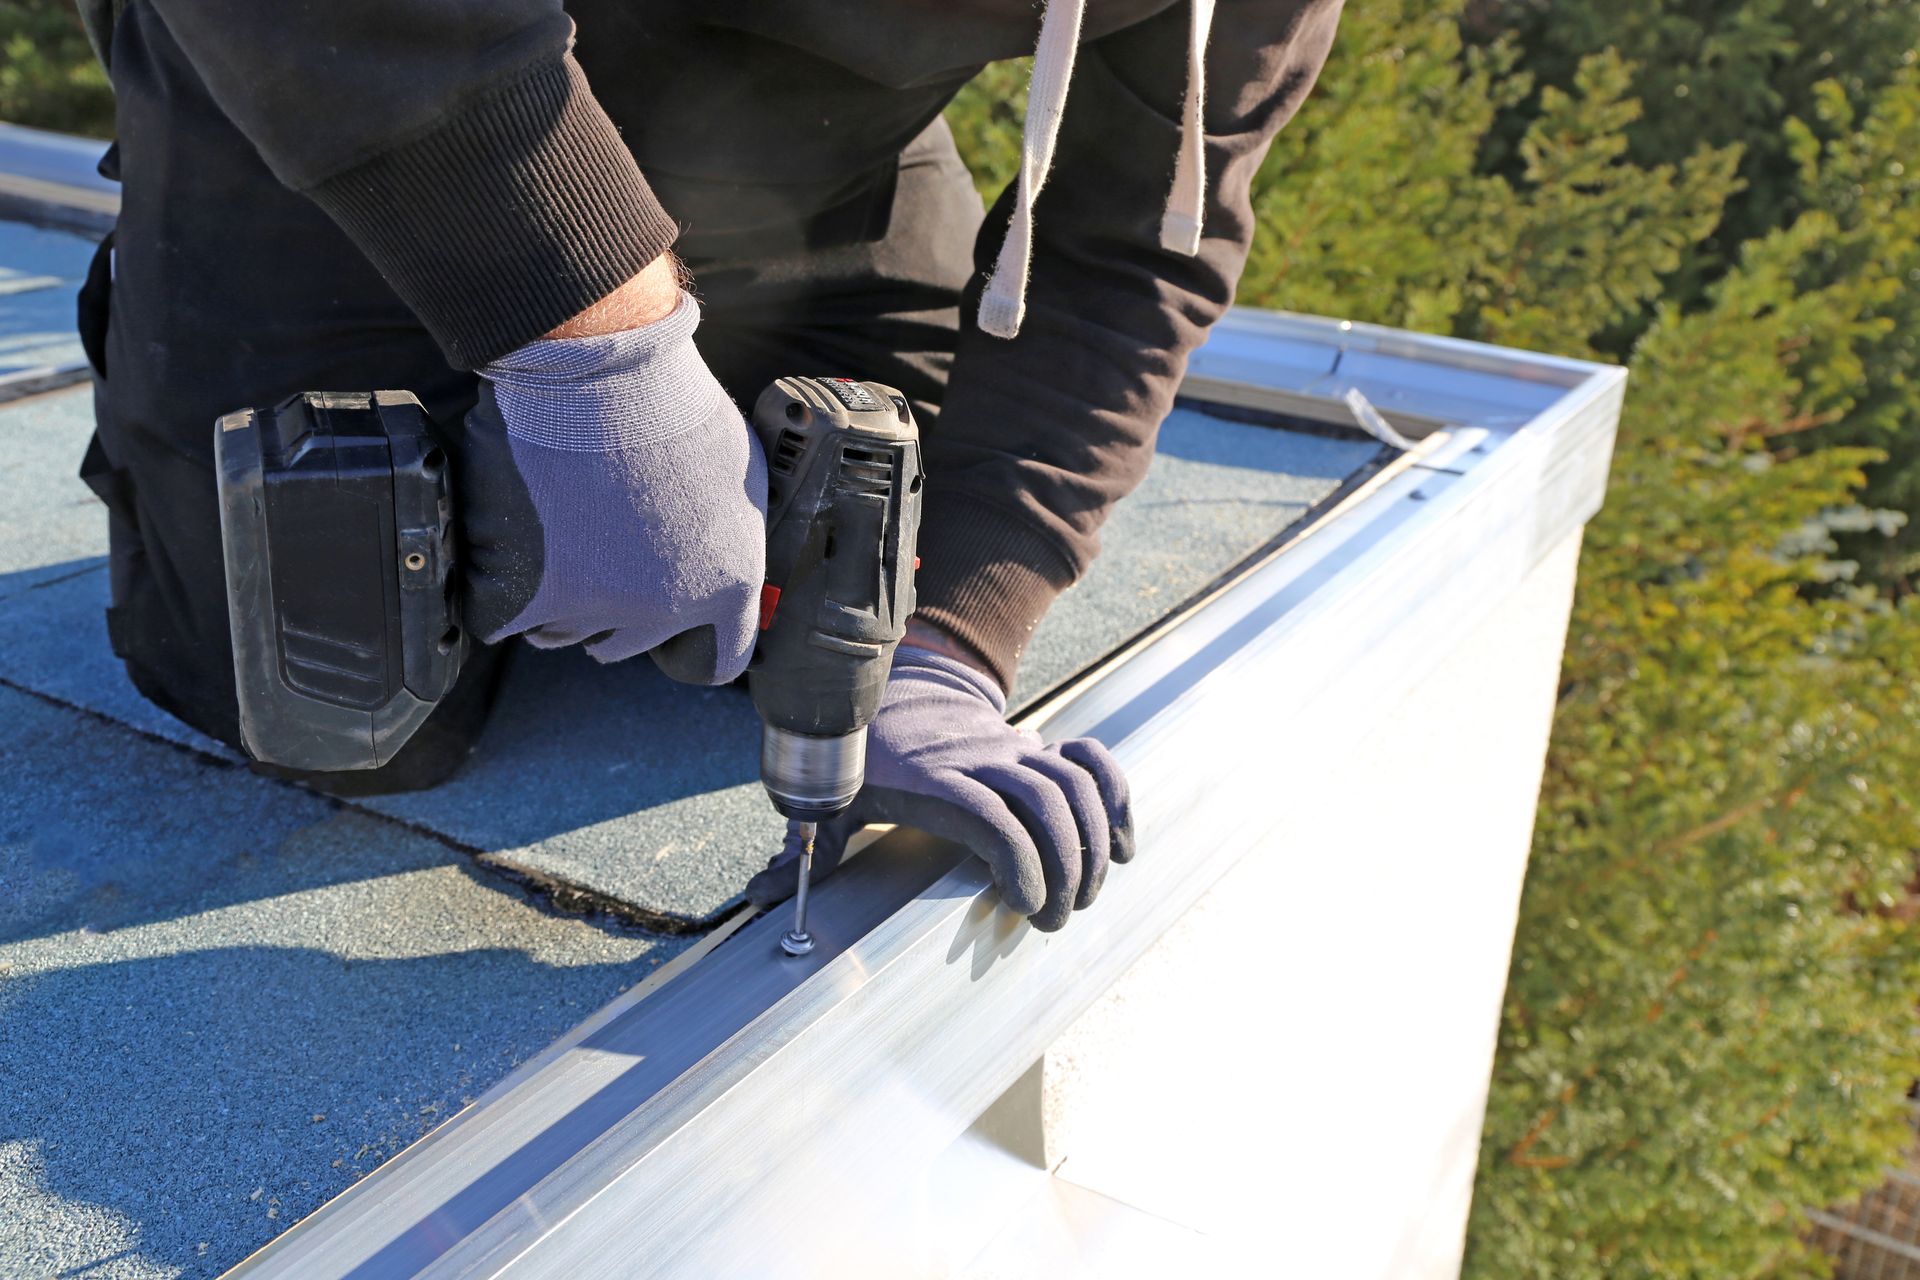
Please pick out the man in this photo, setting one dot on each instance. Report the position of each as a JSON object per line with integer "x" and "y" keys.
{"x": 455, "y": 198}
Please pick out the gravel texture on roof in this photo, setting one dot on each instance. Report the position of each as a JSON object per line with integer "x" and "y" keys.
{"x": 612, "y": 781}
{"x": 40, "y": 270}
{"x": 224, "y": 998}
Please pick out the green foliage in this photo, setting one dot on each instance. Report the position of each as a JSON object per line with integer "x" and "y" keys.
{"x": 1820, "y": 98}
{"x": 1863, "y": 174}
{"x": 1376, "y": 207}
{"x": 1586, "y": 237}
{"x": 1721, "y": 73}
{"x": 987, "y": 119}
{"x": 1709, "y": 1019}
{"x": 49, "y": 77}
{"x": 1369, "y": 204}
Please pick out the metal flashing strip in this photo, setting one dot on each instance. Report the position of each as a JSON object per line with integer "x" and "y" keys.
{"x": 47, "y": 181}
{"x": 748, "y": 1107}
{"x": 40, "y": 379}
{"x": 1304, "y": 365}
{"x": 54, "y": 179}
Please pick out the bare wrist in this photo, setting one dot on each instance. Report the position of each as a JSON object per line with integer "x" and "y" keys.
{"x": 649, "y": 296}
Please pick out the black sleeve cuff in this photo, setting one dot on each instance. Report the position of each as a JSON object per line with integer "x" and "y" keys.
{"x": 512, "y": 215}
{"x": 986, "y": 578}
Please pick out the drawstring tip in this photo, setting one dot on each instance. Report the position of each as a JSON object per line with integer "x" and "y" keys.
{"x": 1180, "y": 234}
{"x": 1000, "y": 316}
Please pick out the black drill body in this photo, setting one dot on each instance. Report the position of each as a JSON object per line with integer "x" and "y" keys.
{"x": 843, "y": 515}
{"x": 337, "y": 524}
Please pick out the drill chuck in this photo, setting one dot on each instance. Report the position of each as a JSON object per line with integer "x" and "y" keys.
{"x": 810, "y": 778}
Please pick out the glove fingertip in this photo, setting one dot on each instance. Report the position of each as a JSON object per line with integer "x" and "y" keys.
{"x": 1093, "y": 756}
{"x": 1020, "y": 885}
{"x": 698, "y": 657}
{"x": 689, "y": 657}
{"x": 774, "y": 883}
{"x": 1051, "y": 919}
{"x": 1024, "y": 901}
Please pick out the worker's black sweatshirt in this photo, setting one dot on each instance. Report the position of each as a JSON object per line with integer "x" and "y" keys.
{"x": 460, "y": 145}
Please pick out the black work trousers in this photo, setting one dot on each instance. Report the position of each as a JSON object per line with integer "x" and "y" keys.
{"x": 221, "y": 289}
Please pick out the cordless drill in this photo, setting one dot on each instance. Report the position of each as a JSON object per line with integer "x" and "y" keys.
{"x": 339, "y": 526}
{"x": 843, "y": 515}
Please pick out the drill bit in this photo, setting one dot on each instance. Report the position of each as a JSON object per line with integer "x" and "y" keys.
{"x": 797, "y": 941}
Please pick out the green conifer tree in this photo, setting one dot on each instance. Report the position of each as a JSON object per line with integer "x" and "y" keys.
{"x": 49, "y": 77}
{"x": 1719, "y": 73}
{"x": 1709, "y": 1020}
{"x": 1374, "y": 204}
{"x": 1863, "y": 173}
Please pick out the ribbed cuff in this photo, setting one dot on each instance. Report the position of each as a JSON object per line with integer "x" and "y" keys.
{"x": 612, "y": 392}
{"x": 513, "y": 215}
{"x": 987, "y": 578}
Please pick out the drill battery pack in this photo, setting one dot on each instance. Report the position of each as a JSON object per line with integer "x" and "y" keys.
{"x": 336, "y": 518}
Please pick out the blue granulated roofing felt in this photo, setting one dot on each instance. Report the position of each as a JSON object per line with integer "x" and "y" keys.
{"x": 40, "y": 270}
{"x": 613, "y": 780}
{"x": 51, "y": 526}
{"x": 225, "y": 998}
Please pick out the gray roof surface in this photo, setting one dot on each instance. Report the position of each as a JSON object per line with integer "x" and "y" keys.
{"x": 39, "y": 273}
{"x": 612, "y": 780}
{"x": 224, "y": 998}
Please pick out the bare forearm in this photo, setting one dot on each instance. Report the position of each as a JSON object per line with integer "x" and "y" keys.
{"x": 650, "y": 295}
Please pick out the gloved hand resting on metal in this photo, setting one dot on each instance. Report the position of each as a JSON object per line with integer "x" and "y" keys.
{"x": 941, "y": 757}
{"x": 612, "y": 496}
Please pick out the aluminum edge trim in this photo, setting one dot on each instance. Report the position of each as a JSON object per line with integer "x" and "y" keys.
{"x": 805, "y": 1017}
{"x": 355, "y": 1234}
{"x": 882, "y": 969}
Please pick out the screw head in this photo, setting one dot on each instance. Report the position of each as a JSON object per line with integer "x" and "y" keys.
{"x": 796, "y": 944}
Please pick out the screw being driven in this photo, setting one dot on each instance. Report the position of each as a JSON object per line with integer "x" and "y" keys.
{"x": 797, "y": 941}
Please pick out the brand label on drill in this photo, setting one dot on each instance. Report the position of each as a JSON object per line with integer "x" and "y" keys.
{"x": 852, "y": 394}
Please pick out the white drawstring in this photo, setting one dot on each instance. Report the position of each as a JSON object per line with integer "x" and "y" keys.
{"x": 1186, "y": 203}
{"x": 1003, "y": 305}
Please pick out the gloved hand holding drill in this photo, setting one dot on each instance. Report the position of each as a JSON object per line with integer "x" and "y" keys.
{"x": 481, "y": 201}
{"x": 612, "y": 496}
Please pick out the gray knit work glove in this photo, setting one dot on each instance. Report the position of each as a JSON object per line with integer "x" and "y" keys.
{"x": 611, "y": 495}
{"x": 941, "y": 757}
